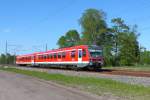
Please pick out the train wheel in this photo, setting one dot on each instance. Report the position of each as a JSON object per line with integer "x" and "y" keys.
{"x": 76, "y": 68}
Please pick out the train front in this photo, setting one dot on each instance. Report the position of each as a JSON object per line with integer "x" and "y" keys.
{"x": 96, "y": 56}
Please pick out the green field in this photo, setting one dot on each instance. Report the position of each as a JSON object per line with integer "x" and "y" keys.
{"x": 94, "y": 85}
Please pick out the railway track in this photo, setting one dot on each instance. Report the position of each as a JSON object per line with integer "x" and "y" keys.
{"x": 128, "y": 73}
{"x": 102, "y": 71}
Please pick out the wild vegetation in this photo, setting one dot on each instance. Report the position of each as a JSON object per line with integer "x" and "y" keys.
{"x": 119, "y": 41}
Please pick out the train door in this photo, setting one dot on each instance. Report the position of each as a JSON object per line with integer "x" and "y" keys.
{"x": 79, "y": 55}
{"x": 32, "y": 59}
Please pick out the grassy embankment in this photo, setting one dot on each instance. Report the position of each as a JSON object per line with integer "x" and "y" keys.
{"x": 94, "y": 85}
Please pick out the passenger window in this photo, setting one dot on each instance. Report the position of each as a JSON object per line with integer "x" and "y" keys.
{"x": 47, "y": 56}
{"x": 50, "y": 56}
{"x": 59, "y": 55}
{"x": 73, "y": 54}
{"x": 44, "y": 56}
{"x": 84, "y": 53}
{"x": 39, "y": 57}
{"x": 63, "y": 55}
{"x": 55, "y": 55}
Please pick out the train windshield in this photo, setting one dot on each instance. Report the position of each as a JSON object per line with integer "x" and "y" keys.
{"x": 95, "y": 51}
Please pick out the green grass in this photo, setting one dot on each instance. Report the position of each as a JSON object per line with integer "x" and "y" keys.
{"x": 94, "y": 85}
{"x": 132, "y": 68}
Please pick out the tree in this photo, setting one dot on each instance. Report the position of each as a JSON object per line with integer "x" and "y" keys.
{"x": 145, "y": 57}
{"x": 71, "y": 38}
{"x": 126, "y": 46}
{"x": 117, "y": 29}
{"x": 2, "y": 59}
{"x": 7, "y": 59}
{"x": 119, "y": 42}
{"x": 95, "y": 31}
{"x": 62, "y": 42}
{"x": 128, "y": 51}
{"x": 93, "y": 25}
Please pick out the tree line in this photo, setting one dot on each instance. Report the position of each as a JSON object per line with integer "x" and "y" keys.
{"x": 119, "y": 41}
{"x": 7, "y": 59}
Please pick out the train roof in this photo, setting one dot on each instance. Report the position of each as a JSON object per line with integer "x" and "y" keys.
{"x": 59, "y": 49}
{"x": 53, "y": 50}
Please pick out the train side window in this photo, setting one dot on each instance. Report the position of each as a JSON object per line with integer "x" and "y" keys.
{"x": 84, "y": 53}
{"x": 59, "y": 55}
{"x": 29, "y": 58}
{"x": 55, "y": 55}
{"x": 39, "y": 57}
{"x": 44, "y": 56}
{"x": 47, "y": 56}
{"x": 73, "y": 54}
{"x": 63, "y": 54}
{"x": 50, "y": 56}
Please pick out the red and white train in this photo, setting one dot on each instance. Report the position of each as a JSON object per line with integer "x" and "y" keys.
{"x": 81, "y": 56}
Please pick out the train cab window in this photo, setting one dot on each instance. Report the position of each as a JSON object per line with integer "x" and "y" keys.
{"x": 59, "y": 55}
{"x": 84, "y": 53}
{"x": 63, "y": 55}
{"x": 55, "y": 55}
{"x": 73, "y": 54}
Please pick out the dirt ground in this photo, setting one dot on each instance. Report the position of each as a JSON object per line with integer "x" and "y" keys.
{"x": 20, "y": 87}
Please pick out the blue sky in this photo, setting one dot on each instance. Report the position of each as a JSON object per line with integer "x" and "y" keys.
{"x": 28, "y": 25}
